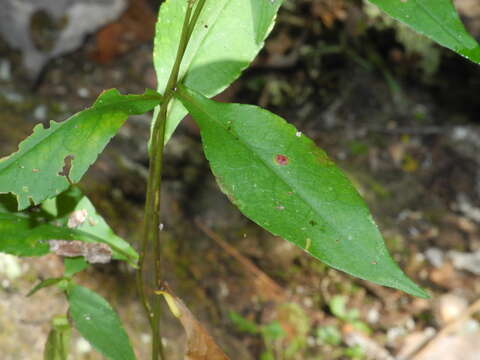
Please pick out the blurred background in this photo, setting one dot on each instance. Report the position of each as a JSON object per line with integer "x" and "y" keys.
{"x": 398, "y": 113}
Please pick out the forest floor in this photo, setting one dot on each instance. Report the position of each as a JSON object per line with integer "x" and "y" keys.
{"x": 397, "y": 113}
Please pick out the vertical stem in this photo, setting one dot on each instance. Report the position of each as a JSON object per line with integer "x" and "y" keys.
{"x": 153, "y": 197}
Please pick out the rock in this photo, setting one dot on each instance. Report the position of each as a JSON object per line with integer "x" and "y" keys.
{"x": 370, "y": 347}
{"x": 448, "y": 307}
{"x": 435, "y": 256}
{"x": 44, "y": 29}
{"x": 413, "y": 342}
{"x": 9, "y": 267}
{"x": 466, "y": 261}
{"x": 468, "y": 208}
{"x": 463, "y": 346}
{"x": 470, "y": 12}
{"x": 466, "y": 141}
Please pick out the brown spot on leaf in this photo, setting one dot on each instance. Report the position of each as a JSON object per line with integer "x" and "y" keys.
{"x": 35, "y": 170}
{"x": 67, "y": 167}
{"x": 281, "y": 159}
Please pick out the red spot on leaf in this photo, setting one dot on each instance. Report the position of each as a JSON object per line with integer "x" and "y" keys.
{"x": 281, "y": 159}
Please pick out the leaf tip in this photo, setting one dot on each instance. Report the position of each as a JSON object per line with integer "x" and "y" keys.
{"x": 106, "y": 95}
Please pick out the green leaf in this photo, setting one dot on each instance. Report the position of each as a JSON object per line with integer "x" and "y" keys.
{"x": 74, "y": 266}
{"x": 27, "y": 235}
{"x": 436, "y": 19}
{"x": 23, "y": 236}
{"x": 242, "y": 324}
{"x": 338, "y": 306}
{"x": 267, "y": 355}
{"x": 94, "y": 225}
{"x": 99, "y": 324}
{"x": 329, "y": 335}
{"x": 58, "y": 341}
{"x": 40, "y": 169}
{"x": 228, "y": 36}
{"x": 278, "y": 178}
{"x": 44, "y": 284}
{"x": 273, "y": 331}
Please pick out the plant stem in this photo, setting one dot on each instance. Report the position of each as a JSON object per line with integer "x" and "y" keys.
{"x": 195, "y": 17}
{"x": 153, "y": 197}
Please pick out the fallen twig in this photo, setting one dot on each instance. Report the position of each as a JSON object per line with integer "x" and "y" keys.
{"x": 446, "y": 330}
{"x": 265, "y": 285}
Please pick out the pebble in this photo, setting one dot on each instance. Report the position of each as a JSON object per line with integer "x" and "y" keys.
{"x": 5, "y": 70}
{"x": 83, "y": 92}
{"x": 83, "y": 346}
{"x": 435, "y": 256}
{"x": 10, "y": 266}
{"x": 40, "y": 112}
{"x": 466, "y": 261}
{"x": 448, "y": 307}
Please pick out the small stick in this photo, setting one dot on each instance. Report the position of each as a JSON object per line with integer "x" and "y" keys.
{"x": 262, "y": 280}
{"x": 446, "y": 330}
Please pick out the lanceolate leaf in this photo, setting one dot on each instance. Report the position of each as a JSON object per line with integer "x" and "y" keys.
{"x": 24, "y": 235}
{"x": 436, "y": 19}
{"x": 96, "y": 226}
{"x": 74, "y": 266}
{"x": 49, "y": 157}
{"x": 278, "y": 178}
{"x": 99, "y": 324}
{"x": 228, "y": 36}
{"x": 19, "y": 236}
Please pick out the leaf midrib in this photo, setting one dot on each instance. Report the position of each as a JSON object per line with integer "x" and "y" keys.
{"x": 435, "y": 19}
{"x": 74, "y": 232}
{"x": 359, "y": 249}
{"x": 202, "y": 40}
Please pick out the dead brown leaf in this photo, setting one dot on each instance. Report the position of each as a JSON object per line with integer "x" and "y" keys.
{"x": 94, "y": 253}
{"x": 134, "y": 27}
{"x": 200, "y": 345}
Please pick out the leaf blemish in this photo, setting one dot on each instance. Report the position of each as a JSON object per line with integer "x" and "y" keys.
{"x": 281, "y": 159}
{"x": 308, "y": 243}
{"x": 77, "y": 218}
{"x": 312, "y": 222}
{"x": 67, "y": 167}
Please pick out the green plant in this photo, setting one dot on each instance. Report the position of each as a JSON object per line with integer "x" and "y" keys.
{"x": 272, "y": 172}
{"x": 279, "y": 342}
{"x": 338, "y": 308}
